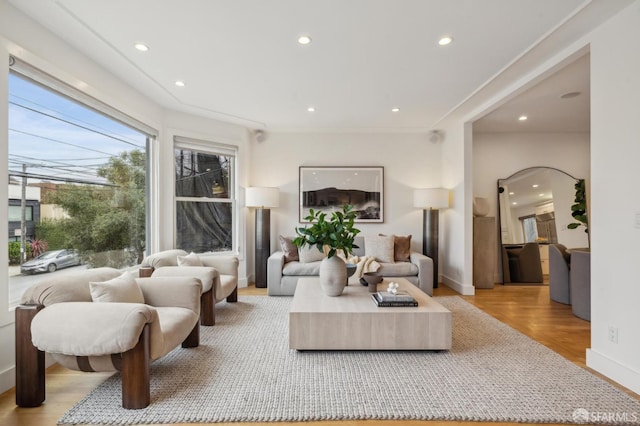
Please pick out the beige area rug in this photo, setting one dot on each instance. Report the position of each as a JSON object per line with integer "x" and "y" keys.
{"x": 243, "y": 371}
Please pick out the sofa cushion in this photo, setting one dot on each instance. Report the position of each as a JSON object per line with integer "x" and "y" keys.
{"x": 397, "y": 269}
{"x": 289, "y": 249}
{"x": 298, "y": 268}
{"x": 191, "y": 259}
{"x": 309, "y": 254}
{"x": 380, "y": 247}
{"x": 122, "y": 289}
{"x": 66, "y": 288}
{"x": 163, "y": 258}
{"x": 206, "y": 274}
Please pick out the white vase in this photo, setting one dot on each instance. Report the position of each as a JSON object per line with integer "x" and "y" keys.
{"x": 333, "y": 275}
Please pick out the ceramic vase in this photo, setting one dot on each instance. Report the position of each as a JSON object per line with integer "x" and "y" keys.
{"x": 333, "y": 275}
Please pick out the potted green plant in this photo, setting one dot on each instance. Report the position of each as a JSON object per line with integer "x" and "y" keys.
{"x": 336, "y": 233}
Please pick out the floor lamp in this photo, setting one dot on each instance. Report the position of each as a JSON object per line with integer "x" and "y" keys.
{"x": 431, "y": 200}
{"x": 263, "y": 199}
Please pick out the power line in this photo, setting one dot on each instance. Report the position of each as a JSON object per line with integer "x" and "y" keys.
{"x": 73, "y": 124}
{"x": 58, "y": 141}
{"x": 48, "y": 108}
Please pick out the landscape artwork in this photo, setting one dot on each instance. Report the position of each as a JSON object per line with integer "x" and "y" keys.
{"x": 329, "y": 188}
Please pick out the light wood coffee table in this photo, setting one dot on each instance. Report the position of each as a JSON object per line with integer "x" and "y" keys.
{"x": 352, "y": 321}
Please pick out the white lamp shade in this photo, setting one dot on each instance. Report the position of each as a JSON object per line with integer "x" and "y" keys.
{"x": 431, "y": 198}
{"x": 260, "y": 196}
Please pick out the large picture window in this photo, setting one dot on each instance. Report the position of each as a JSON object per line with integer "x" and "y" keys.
{"x": 205, "y": 194}
{"x": 77, "y": 179}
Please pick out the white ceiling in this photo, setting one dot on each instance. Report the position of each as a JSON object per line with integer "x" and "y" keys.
{"x": 241, "y": 63}
{"x": 544, "y": 107}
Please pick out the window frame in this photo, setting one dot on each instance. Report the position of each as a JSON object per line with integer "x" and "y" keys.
{"x": 61, "y": 88}
{"x": 210, "y": 148}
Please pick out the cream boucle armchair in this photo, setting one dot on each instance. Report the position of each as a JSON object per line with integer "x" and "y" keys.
{"x": 58, "y": 316}
{"x": 218, "y": 274}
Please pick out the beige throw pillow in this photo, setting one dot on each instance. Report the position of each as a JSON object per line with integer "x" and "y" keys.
{"x": 122, "y": 289}
{"x": 380, "y": 247}
{"x": 289, "y": 249}
{"x": 310, "y": 254}
{"x": 191, "y": 259}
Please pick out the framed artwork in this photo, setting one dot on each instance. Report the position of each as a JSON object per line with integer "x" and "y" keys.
{"x": 330, "y": 188}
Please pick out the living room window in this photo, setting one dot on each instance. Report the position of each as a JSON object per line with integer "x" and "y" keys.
{"x": 205, "y": 209}
{"x": 78, "y": 179}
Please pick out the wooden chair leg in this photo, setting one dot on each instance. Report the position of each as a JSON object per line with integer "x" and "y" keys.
{"x": 30, "y": 368}
{"x": 136, "y": 375}
{"x": 233, "y": 297}
{"x": 207, "y": 308}
{"x": 193, "y": 339}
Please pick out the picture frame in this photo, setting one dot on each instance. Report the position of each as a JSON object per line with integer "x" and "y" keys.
{"x": 328, "y": 188}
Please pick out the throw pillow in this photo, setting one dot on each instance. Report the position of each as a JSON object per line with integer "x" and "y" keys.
{"x": 401, "y": 248}
{"x": 309, "y": 254}
{"x": 380, "y": 247}
{"x": 191, "y": 259}
{"x": 122, "y": 289}
{"x": 289, "y": 249}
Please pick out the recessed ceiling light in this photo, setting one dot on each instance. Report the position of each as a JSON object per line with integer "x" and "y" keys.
{"x": 304, "y": 39}
{"x": 141, "y": 47}
{"x": 444, "y": 40}
{"x": 179, "y": 83}
{"x": 311, "y": 109}
{"x": 523, "y": 118}
{"x": 395, "y": 109}
{"x": 570, "y": 95}
{"x": 514, "y": 203}
{"x": 535, "y": 185}
{"x": 511, "y": 193}
{"x": 542, "y": 195}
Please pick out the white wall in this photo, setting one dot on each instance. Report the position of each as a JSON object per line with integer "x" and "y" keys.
{"x": 615, "y": 198}
{"x": 499, "y": 155}
{"x": 455, "y": 250}
{"x": 409, "y": 160}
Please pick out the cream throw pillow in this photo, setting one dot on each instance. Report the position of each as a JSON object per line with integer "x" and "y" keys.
{"x": 308, "y": 254}
{"x": 379, "y": 247}
{"x": 191, "y": 259}
{"x": 122, "y": 289}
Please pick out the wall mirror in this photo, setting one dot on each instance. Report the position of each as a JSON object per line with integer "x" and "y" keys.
{"x": 534, "y": 208}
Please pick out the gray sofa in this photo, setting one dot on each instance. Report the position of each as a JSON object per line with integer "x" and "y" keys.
{"x": 282, "y": 277}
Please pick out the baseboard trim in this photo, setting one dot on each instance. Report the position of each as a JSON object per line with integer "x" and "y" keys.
{"x": 611, "y": 368}
{"x": 465, "y": 290}
{"x": 7, "y": 379}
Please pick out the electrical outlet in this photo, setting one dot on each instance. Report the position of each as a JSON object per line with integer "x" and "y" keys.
{"x": 613, "y": 334}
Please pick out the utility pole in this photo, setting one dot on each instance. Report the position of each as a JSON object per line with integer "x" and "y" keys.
{"x": 23, "y": 217}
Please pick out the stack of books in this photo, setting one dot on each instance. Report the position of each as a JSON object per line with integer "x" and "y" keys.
{"x": 385, "y": 299}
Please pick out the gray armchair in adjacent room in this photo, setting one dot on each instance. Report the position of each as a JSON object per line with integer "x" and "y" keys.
{"x": 580, "y": 282}
{"x": 559, "y": 267}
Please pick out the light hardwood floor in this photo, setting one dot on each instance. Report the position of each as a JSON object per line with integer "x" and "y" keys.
{"x": 525, "y": 308}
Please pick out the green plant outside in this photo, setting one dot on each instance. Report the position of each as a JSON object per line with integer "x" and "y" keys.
{"x": 579, "y": 208}
{"x": 338, "y": 233}
{"x": 14, "y": 252}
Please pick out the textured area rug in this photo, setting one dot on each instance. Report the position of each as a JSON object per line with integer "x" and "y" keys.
{"x": 244, "y": 371}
